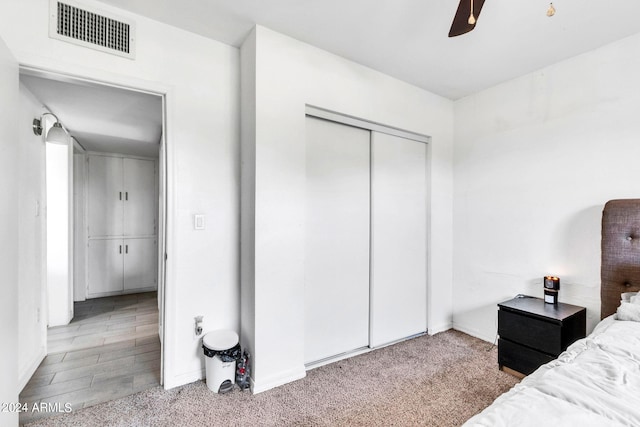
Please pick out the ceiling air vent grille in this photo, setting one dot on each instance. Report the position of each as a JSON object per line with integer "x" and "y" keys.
{"x": 91, "y": 29}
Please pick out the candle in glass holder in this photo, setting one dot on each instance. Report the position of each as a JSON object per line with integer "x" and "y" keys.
{"x": 551, "y": 288}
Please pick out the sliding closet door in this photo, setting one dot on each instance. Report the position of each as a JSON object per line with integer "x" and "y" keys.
{"x": 398, "y": 238}
{"x": 337, "y": 239}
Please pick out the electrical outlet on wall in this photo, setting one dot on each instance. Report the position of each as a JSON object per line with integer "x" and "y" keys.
{"x": 198, "y": 328}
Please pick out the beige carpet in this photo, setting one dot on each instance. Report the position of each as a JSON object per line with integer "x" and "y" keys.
{"x": 439, "y": 380}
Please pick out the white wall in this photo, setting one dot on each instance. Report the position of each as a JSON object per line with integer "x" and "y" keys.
{"x": 9, "y": 259}
{"x": 32, "y": 320}
{"x": 288, "y": 75}
{"x": 79, "y": 233}
{"x": 536, "y": 158}
{"x": 248, "y": 193}
{"x": 59, "y": 249}
{"x": 200, "y": 77}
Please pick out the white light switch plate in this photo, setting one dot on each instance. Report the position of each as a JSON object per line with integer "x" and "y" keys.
{"x": 198, "y": 222}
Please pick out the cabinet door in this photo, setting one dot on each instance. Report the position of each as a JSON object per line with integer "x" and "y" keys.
{"x": 140, "y": 257}
{"x": 398, "y": 238}
{"x": 140, "y": 205}
{"x": 105, "y": 196}
{"x": 337, "y": 239}
{"x": 105, "y": 266}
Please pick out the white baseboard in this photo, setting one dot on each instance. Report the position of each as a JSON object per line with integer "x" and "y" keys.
{"x": 439, "y": 328}
{"x": 182, "y": 379}
{"x": 279, "y": 379}
{"x": 474, "y": 333}
{"x": 24, "y": 377}
{"x": 118, "y": 293}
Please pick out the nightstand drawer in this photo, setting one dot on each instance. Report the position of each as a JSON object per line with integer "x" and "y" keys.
{"x": 520, "y": 358}
{"x": 542, "y": 335}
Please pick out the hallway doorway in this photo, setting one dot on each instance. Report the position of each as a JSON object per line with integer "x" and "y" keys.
{"x": 110, "y": 345}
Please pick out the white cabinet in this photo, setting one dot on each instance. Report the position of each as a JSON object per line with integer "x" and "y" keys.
{"x": 117, "y": 265}
{"x": 104, "y": 206}
{"x": 140, "y": 200}
{"x": 105, "y": 271}
{"x": 122, "y": 198}
{"x": 139, "y": 263}
{"x": 122, "y": 206}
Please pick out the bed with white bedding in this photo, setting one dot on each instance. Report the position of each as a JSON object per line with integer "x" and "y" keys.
{"x": 596, "y": 381}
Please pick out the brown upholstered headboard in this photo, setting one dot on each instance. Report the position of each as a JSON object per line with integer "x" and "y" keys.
{"x": 620, "y": 268}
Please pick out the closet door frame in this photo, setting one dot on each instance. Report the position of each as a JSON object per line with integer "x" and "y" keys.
{"x": 321, "y": 113}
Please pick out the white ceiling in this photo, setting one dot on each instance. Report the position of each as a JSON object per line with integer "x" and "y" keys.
{"x": 102, "y": 118}
{"x": 408, "y": 39}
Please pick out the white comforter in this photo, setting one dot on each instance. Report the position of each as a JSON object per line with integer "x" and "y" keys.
{"x": 596, "y": 382}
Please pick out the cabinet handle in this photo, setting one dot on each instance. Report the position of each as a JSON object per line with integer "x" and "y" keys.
{"x": 126, "y": 195}
{"x": 120, "y": 250}
{"x": 121, "y": 195}
{"x": 126, "y": 249}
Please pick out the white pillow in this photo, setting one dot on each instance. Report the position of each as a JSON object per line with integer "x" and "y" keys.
{"x": 628, "y": 311}
{"x": 635, "y": 299}
{"x": 626, "y": 297}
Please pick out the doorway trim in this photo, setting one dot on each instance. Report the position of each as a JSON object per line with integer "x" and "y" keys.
{"x": 165, "y": 176}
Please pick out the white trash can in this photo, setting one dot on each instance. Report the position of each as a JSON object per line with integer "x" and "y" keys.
{"x": 220, "y": 349}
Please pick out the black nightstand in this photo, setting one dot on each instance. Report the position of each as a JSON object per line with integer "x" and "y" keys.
{"x": 533, "y": 332}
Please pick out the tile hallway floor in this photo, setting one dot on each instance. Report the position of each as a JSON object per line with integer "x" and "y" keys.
{"x": 109, "y": 350}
